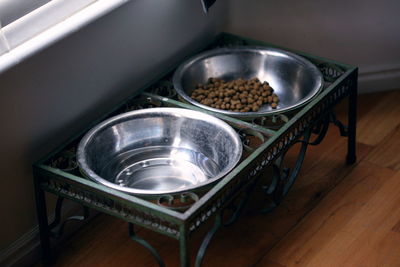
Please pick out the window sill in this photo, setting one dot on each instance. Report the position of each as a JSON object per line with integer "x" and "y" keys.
{"x": 45, "y": 37}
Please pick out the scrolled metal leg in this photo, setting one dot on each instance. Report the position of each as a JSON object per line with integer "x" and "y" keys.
{"x": 145, "y": 244}
{"x": 284, "y": 178}
{"x": 57, "y": 217}
{"x": 322, "y": 129}
{"x": 206, "y": 241}
{"x": 57, "y": 227}
{"x": 352, "y": 118}
{"x": 237, "y": 210}
{"x": 343, "y": 129}
{"x": 44, "y": 231}
{"x": 297, "y": 167}
{"x": 184, "y": 249}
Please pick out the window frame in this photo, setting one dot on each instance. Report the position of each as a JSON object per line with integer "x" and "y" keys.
{"x": 31, "y": 33}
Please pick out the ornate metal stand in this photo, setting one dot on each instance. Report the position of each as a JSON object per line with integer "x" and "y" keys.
{"x": 266, "y": 141}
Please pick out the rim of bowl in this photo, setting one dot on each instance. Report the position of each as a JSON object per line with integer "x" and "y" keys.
{"x": 89, "y": 173}
{"x": 178, "y": 74}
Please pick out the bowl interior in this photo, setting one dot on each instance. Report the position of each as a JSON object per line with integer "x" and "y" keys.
{"x": 294, "y": 79}
{"x": 159, "y": 151}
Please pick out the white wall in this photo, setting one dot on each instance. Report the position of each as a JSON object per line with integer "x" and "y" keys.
{"x": 365, "y": 33}
{"x": 51, "y": 95}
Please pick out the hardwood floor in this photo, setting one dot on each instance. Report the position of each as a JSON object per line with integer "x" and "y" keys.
{"x": 335, "y": 214}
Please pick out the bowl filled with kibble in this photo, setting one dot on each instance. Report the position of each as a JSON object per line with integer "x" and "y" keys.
{"x": 247, "y": 82}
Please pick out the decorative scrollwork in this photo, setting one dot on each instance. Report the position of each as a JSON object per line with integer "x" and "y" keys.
{"x": 57, "y": 226}
{"x": 330, "y": 71}
{"x": 228, "y": 41}
{"x": 163, "y": 88}
{"x": 140, "y": 103}
{"x": 65, "y": 160}
{"x": 343, "y": 129}
{"x": 283, "y": 177}
{"x": 251, "y": 139}
{"x": 144, "y": 243}
{"x": 110, "y": 206}
{"x": 274, "y": 121}
{"x": 206, "y": 241}
{"x": 179, "y": 202}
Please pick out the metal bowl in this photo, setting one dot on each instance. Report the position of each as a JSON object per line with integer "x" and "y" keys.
{"x": 159, "y": 151}
{"x": 294, "y": 79}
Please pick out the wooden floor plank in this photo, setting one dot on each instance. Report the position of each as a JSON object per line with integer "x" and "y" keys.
{"x": 396, "y": 228}
{"x": 330, "y": 216}
{"x": 358, "y": 242}
{"x": 386, "y": 153}
{"x": 365, "y": 102}
{"x": 382, "y": 118}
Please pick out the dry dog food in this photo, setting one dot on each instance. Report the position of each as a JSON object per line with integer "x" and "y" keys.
{"x": 238, "y": 95}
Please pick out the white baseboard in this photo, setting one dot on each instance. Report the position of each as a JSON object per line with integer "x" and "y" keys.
{"x": 21, "y": 252}
{"x": 379, "y": 78}
{"x": 25, "y": 251}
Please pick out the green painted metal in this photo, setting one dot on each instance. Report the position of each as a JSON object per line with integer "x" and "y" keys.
{"x": 341, "y": 82}
{"x": 207, "y": 240}
{"x": 144, "y": 243}
{"x": 236, "y": 123}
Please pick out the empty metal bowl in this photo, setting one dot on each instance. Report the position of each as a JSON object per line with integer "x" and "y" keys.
{"x": 294, "y": 79}
{"x": 159, "y": 151}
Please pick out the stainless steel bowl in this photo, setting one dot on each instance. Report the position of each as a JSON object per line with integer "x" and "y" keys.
{"x": 159, "y": 151}
{"x": 294, "y": 79}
